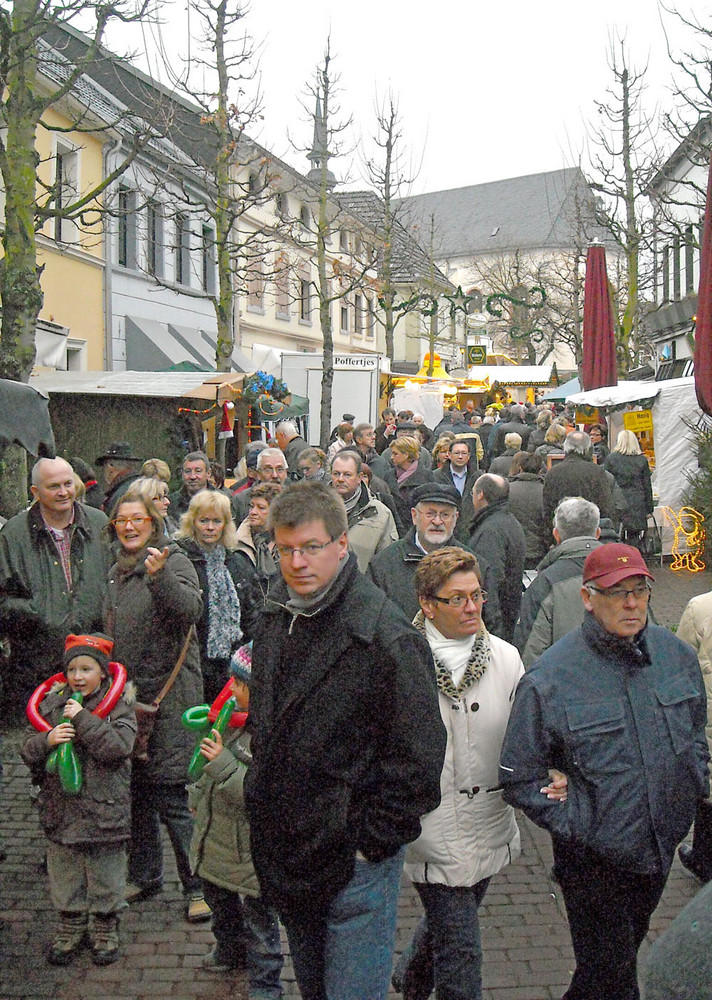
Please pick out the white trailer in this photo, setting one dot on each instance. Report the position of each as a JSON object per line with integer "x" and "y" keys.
{"x": 355, "y": 388}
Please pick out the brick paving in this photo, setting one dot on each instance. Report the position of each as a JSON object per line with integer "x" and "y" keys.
{"x": 527, "y": 954}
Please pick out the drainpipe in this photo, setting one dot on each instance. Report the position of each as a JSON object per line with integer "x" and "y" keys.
{"x": 108, "y": 232}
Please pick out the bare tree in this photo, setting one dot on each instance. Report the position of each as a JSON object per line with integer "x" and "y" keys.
{"x": 238, "y": 176}
{"x": 346, "y": 268}
{"x": 622, "y": 155}
{"x": 388, "y": 178}
{"x": 35, "y": 78}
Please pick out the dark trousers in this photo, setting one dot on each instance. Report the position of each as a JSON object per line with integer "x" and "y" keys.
{"x": 153, "y": 804}
{"x": 609, "y": 911}
{"x": 247, "y": 933}
{"x": 702, "y": 840}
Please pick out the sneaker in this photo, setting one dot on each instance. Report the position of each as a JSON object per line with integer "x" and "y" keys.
{"x": 135, "y": 891}
{"x": 211, "y": 963}
{"x": 104, "y": 935}
{"x": 70, "y": 937}
{"x": 197, "y": 911}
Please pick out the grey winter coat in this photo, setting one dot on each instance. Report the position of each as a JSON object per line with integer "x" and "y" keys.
{"x": 552, "y": 605}
{"x": 149, "y": 619}
{"x": 220, "y": 848}
{"x": 101, "y": 812}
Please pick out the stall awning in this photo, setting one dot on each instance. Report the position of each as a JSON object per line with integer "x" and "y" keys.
{"x": 155, "y": 346}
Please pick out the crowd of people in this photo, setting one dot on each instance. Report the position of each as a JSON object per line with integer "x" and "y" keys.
{"x": 395, "y": 643}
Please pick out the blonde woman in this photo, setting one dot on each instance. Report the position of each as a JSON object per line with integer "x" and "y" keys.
{"x": 208, "y": 536}
{"x": 406, "y": 474}
{"x": 629, "y": 467}
{"x": 155, "y": 490}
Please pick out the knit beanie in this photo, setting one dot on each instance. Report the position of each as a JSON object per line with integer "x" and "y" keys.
{"x": 96, "y": 645}
{"x": 241, "y": 664}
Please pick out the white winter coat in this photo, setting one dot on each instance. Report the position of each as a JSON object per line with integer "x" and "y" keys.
{"x": 472, "y": 836}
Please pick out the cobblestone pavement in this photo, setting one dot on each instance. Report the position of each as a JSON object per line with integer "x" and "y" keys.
{"x": 527, "y": 954}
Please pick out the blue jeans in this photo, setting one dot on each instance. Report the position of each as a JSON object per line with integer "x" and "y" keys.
{"x": 247, "y": 929}
{"x": 346, "y": 952}
{"x": 446, "y": 951}
{"x": 151, "y": 804}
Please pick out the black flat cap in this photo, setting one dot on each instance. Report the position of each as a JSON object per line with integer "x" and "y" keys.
{"x": 436, "y": 493}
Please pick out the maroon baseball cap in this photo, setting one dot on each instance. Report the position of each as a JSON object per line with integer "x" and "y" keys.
{"x": 609, "y": 564}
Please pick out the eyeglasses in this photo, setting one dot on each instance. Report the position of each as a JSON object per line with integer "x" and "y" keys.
{"x": 620, "y": 593}
{"x": 460, "y": 600}
{"x": 430, "y": 515}
{"x": 307, "y": 551}
{"x": 121, "y": 522}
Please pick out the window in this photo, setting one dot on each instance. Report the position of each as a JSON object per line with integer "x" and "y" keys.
{"x": 475, "y": 303}
{"x": 281, "y": 287}
{"x": 358, "y": 315}
{"x": 371, "y": 318}
{"x": 154, "y": 239}
{"x": 66, "y": 179}
{"x": 127, "y": 227}
{"x": 689, "y": 261}
{"x": 182, "y": 249}
{"x": 305, "y": 217}
{"x": 676, "y": 268}
{"x": 666, "y": 274}
{"x": 304, "y": 290}
{"x": 344, "y": 240}
{"x": 282, "y": 205}
{"x": 207, "y": 259}
{"x": 256, "y": 285}
{"x": 344, "y": 317}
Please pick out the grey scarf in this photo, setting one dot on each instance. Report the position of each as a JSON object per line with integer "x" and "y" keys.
{"x": 224, "y": 630}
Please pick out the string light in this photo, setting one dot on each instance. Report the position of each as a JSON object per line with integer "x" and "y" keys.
{"x": 687, "y": 522}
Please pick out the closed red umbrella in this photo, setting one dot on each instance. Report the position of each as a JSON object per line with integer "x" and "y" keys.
{"x": 599, "y": 341}
{"x": 703, "y": 326}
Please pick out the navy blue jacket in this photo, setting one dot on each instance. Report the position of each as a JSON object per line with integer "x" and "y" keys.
{"x": 625, "y": 721}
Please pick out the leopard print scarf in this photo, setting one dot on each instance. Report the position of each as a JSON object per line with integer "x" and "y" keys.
{"x": 476, "y": 664}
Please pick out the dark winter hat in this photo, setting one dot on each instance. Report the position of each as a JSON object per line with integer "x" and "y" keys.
{"x": 82, "y": 469}
{"x": 348, "y": 417}
{"x": 435, "y": 493}
{"x": 118, "y": 451}
{"x": 609, "y": 564}
{"x": 96, "y": 645}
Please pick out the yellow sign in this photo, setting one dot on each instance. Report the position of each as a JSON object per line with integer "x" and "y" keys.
{"x": 477, "y": 354}
{"x": 638, "y": 420}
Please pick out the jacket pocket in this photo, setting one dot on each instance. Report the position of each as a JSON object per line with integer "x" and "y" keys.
{"x": 677, "y": 698}
{"x": 596, "y": 737}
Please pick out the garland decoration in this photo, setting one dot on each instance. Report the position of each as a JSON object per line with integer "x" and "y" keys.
{"x": 259, "y": 384}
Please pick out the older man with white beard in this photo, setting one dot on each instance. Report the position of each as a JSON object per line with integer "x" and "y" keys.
{"x": 436, "y": 508}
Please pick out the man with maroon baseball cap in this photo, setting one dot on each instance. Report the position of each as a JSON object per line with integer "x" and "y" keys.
{"x": 606, "y": 750}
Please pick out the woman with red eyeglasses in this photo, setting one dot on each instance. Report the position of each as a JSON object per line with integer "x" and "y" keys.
{"x": 153, "y": 603}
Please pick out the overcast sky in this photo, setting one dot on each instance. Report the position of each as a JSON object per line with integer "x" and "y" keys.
{"x": 486, "y": 90}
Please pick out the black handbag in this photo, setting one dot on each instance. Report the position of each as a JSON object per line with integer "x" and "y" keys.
{"x": 651, "y": 542}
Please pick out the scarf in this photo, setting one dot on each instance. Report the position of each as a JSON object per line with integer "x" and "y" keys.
{"x": 406, "y": 473}
{"x": 477, "y": 662}
{"x": 351, "y": 503}
{"x": 223, "y": 606}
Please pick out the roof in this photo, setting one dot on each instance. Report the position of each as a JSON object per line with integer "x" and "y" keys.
{"x": 520, "y": 213}
{"x": 514, "y": 374}
{"x": 410, "y": 263}
{"x": 195, "y": 385}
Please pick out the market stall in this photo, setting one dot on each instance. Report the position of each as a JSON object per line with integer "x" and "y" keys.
{"x": 659, "y": 413}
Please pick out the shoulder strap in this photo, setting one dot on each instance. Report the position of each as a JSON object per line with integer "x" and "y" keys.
{"x": 174, "y": 673}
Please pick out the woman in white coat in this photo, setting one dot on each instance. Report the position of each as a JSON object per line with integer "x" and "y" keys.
{"x": 473, "y": 833}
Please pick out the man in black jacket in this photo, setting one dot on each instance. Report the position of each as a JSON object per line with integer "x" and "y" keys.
{"x": 348, "y": 747}
{"x": 498, "y": 538}
{"x": 435, "y": 516}
{"x": 576, "y": 475}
